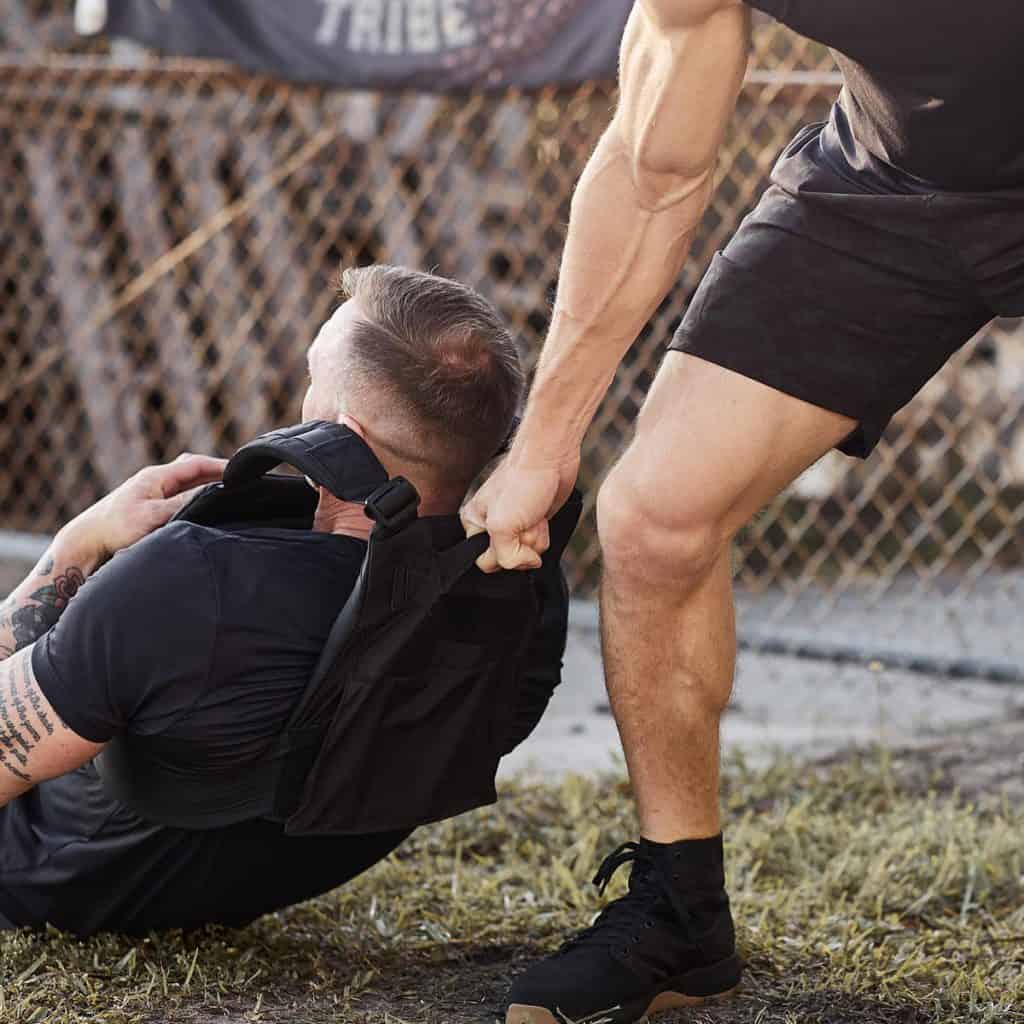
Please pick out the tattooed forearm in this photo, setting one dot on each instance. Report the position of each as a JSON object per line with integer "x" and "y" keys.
{"x": 37, "y": 604}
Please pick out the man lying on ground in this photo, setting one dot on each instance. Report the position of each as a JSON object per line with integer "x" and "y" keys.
{"x": 202, "y": 636}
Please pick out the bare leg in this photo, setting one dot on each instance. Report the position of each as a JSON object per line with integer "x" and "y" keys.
{"x": 712, "y": 448}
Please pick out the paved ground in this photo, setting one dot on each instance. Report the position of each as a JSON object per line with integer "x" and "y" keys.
{"x": 953, "y": 618}
{"x": 807, "y": 707}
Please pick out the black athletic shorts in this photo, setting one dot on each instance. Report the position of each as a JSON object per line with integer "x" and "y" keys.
{"x": 850, "y": 287}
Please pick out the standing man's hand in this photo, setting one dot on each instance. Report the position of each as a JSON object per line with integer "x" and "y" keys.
{"x": 515, "y": 504}
{"x": 142, "y": 504}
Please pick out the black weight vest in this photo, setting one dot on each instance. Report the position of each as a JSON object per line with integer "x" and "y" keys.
{"x": 402, "y": 720}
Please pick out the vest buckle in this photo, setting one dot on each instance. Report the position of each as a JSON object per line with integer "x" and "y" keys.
{"x": 393, "y": 505}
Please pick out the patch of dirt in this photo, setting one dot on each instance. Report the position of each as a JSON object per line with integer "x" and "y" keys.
{"x": 472, "y": 990}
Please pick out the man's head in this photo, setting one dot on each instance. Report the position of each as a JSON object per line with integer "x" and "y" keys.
{"x": 426, "y": 369}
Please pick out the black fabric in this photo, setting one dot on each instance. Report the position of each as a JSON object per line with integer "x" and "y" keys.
{"x": 274, "y": 500}
{"x": 933, "y": 87}
{"x": 330, "y": 454}
{"x": 73, "y": 857}
{"x": 144, "y": 771}
{"x": 695, "y": 864}
{"x": 117, "y": 656}
{"x": 419, "y": 699}
{"x": 407, "y": 711}
{"x": 198, "y": 644}
{"x": 846, "y": 294}
{"x": 542, "y": 666}
{"x": 198, "y": 636}
{"x": 201, "y": 640}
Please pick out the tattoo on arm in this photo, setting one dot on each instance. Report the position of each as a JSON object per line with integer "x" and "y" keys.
{"x": 25, "y": 723}
{"x": 33, "y": 609}
{"x": 35, "y": 744}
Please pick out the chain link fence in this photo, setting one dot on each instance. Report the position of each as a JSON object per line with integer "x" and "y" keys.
{"x": 171, "y": 232}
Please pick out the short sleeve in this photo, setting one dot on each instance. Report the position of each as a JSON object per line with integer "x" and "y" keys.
{"x": 132, "y": 651}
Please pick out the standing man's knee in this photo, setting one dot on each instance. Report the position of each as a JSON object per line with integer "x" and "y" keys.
{"x": 657, "y": 532}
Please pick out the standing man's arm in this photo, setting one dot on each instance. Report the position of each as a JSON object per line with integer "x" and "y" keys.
{"x": 636, "y": 208}
{"x": 34, "y": 743}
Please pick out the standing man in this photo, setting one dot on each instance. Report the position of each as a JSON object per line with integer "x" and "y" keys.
{"x": 889, "y": 236}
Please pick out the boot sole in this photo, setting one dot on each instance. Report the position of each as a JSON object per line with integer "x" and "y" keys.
{"x": 519, "y": 1014}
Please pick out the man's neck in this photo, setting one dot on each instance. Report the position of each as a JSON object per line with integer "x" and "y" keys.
{"x": 347, "y": 518}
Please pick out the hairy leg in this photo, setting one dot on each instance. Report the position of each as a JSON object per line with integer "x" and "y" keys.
{"x": 711, "y": 448}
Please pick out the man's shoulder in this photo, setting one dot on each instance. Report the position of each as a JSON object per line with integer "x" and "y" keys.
{"x": 247, "y": 553}
{"x": 195, "y": 542}
{"x": 178, "y": 536}
{"x": 166, "y": 553}
{"x": 157, "y": 571}
{"x": 253, "y": 543}
{"x": 260, "y": 573}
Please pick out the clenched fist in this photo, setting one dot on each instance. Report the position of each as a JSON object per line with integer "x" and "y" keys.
{"x": 514, "y": 507}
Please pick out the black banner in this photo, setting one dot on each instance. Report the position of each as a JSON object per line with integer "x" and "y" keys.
{"x": 432, "y": 45}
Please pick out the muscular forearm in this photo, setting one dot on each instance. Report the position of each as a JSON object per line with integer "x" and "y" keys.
{"x": 636, "y": 208}
{"x": 620, "y": 261}
{"x": 42, "y": 596}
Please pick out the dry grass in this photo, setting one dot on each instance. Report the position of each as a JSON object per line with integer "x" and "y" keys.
{"x": 856, "y": 901}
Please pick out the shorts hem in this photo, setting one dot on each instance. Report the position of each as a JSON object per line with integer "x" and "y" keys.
{"x": 859, "y": 443}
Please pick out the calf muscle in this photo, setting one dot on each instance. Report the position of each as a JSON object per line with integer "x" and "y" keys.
{"x": 711, "y": 448}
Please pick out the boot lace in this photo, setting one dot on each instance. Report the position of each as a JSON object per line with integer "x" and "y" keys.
{"x": 622, "y": 922}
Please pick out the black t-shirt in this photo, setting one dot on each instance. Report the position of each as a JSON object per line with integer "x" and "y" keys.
{"x": 933, "y": 87}
{"x": 198, "y": 634}
{"x": 202, "y": 639}
{"x": 207, "y": 636}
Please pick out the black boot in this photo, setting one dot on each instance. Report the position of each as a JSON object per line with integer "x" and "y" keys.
{"x": 668, "y": 942}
